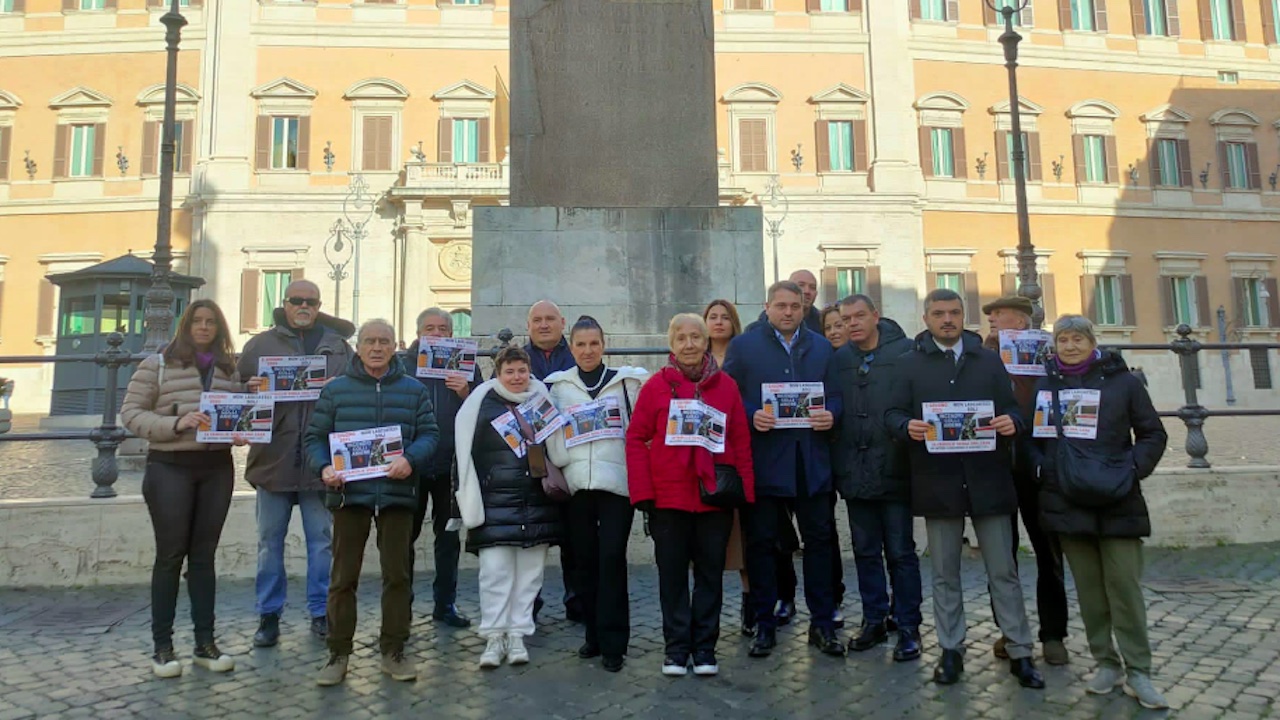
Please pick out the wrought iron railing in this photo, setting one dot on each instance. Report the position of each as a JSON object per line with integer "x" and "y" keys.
{"x": 108, "y": 436}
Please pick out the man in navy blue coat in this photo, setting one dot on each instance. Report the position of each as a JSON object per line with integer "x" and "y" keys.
{"x": 793, "y": 465}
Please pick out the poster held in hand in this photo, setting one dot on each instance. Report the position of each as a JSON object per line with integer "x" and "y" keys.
{"x": 959, "y": 427}
{"x": 293, "y": 378}
{"x": 364, "y": 454}
{"x": 443, "y": 357}
{"x": 694, "y": 423}
{"x": 791, "y": 403}
{"x": 539, "y": 412}
{"x": 1024, "y": 351}
{"x": 1079, "y": 408}
{"x": 599, "y": 419}
{"x": 236, "y": 415}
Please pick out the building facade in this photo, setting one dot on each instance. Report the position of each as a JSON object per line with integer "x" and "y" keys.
{"x": 1152, "y": 128}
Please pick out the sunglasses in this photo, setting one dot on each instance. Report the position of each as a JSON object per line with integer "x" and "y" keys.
{"x": 300, "y": 301}
{"x": 865, "y": 368}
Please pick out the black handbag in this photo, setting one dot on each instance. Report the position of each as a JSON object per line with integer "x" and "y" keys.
{"x": 728, "y": 492}
{"x": 1086, "y": 477}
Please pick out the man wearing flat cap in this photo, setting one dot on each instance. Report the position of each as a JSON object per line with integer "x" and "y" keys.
{"x": 1014, "y": 313}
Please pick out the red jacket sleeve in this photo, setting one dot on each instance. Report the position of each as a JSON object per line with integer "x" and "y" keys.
{"x": 640, "y": 433}
{"x": 740, "y": 446}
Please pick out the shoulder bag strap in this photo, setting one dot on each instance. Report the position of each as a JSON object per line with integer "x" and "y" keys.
{"x": 1057, "y": 413}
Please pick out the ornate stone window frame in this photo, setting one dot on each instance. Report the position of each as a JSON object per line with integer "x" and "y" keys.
{"x": 752, "y": 101}
{"x": 377, "y": 96}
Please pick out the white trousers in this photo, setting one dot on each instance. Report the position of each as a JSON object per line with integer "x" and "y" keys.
{"x": 510, "y": 580}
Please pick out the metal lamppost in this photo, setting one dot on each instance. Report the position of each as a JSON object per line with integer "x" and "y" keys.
{"x": 1028, "y": 283}
{"x": 159, "y": 299}
{"x": 357, "y": 211}
{"x": 774, "y": 198}
{"x": 337, "y": 252}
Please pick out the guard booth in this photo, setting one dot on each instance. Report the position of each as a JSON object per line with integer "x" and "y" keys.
{"x": 93, "y": 303}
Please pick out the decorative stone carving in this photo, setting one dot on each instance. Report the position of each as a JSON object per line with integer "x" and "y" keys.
{"x": 455, "y": 261}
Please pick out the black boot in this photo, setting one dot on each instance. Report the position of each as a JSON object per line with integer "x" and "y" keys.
{"x": 748, "y": 616}
{"x": 948, "y": 671}
{"x": 268, "y": 631}
{"x": 766, "y": 640}
{"x": 871, "y": 635}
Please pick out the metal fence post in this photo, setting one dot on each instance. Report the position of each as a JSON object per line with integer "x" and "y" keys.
{"x": 107, "y": 436}
{"x": 1192, "y": 414}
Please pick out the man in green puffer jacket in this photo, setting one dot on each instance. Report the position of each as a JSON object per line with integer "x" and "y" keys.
{"x": 374, "y": 392}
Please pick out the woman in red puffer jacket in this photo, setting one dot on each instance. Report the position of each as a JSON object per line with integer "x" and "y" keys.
{"x": 663, "y": 481}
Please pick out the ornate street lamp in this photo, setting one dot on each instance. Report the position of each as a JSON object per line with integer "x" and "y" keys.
{"x": 337, "y": 252}
{"x": 1028, "y": 283}
{"x": 774, "y": 199}
{"x": 357, "y": 211}
{"x": 159, "y": 299}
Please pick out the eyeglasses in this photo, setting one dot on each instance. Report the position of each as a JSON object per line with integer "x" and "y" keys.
{"x": 866, "y": 364}
{"x": 300, "y": 301}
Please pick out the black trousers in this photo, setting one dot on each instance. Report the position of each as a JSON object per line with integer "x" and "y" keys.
{"x": 789, "y": 543}
{"x": 188, "y": 495}
{"x": 599, "y": 527}
{"x": 680, "y": 538}
{"x": 568, "y": 567}
{"x": 1051, "y": 589}
{"x": 816, "y": 517}
{"x": 446, "y": 546}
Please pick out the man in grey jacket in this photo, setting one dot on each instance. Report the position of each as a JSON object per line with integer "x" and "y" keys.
{"x": 278, "y": 470}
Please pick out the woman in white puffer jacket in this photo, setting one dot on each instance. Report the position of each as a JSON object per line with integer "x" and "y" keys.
{"x": 600, "y": 513}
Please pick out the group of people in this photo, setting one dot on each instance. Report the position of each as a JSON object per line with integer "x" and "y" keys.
{"x": 744, "y": 498}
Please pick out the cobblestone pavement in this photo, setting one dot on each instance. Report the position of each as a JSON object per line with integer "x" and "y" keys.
{"x": 83, "y": 653}
{"x": 62, "y": 468}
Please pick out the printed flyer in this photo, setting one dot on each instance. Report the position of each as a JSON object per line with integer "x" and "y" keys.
{"x": 294, "y": 378}
{"x": 959, "y": 427}
{"x": 1079, "y": 408}
{"x": 364, "y": 454}
{"x": 446, "y": 357}
{"x": 590, "y": 421}
{"x": 790, "y": 403}
{"x": 1024, "y": 351}
{"x": 539, "y": 412}
{"x": 693, "y": 422}
{"x": 236, "y": 415}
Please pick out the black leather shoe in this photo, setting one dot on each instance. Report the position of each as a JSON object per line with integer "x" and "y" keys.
{"x": 748, "y": 616}
{"x": 786, "y": 611}
{"x": 268, "y": 631}
{"x": 320, "y": 626}
{"x": 612, "y": 663}
{"x": 450, "y": 616}
{"x": 869, "y": 636}
{"x": 1027, "y": 674}
{"x": 766, "y": 639}
{"x": 948, "y": 671}
{"x": 588, "y": 651}
{"x": 908, "y": 647}
{"x": 825, "y": 639}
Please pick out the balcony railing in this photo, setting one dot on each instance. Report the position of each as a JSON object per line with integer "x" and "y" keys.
{"x": 456, "y": 177}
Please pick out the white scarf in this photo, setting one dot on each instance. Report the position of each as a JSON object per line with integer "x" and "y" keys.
{"x": 470, "y": 501}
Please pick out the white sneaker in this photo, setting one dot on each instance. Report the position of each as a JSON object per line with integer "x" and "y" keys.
{"x": 1105, "y": 680}
{"x": 494, "y": 652}
{"x": 517, "y": 654}
{"x": 704, "y": 664}
{"x": 1138, "y": 686}
{"x": 208, "y": 656}
{"x": 673, "y": 667}
{"x": 165, "y": 664}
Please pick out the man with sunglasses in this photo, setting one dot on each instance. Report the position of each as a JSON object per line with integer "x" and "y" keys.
{"x": 278, "y": 470}
{"x": 871, "y": 476}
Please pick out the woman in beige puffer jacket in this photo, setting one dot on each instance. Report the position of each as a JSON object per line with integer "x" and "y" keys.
{"x": 187, "y": 484}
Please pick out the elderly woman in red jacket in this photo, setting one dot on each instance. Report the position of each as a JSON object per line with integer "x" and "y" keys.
{"x": 664, "y": 478}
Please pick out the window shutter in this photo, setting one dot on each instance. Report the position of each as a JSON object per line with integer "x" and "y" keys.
{"x": 249, "y": 286}
{"x": 296, "y": 274}
{"x": 369, "y": 143}
{"x": 1100, "y": 15}
{"x": 855, "y": 6}
{"x": 1077, "y": 152}
{"x": 1128, "y": 299}
{"x": 70, "y": 5}
{"x": 1153, "y": 161}
{"x": 860, "y": 148}
{"x": 1238, "y": 290}
{"x": 1273, "y": 302}
{"x": 150, "y": 145}
{"x": 1251, "y": 164}
{"x": 99, "y": 149}
{"x": 822, "y": 141}
{"x": 1064, "y": 15}
{"x": 444, "y": 140}
{"x": 990, "y": 16}
{"x": 915, "y": 9}
{"x": 482, "y": 128}
{"x": 1035, "y": 172}
{"x": 1002, "y": 155}
{"x": 44, "y": 308}
{"x": 1204, "y": 316}
{"x": 1113, "y": 162}
{"x": 829, "y": 285}
{"x": 926, "y": 151}
{"x": 930, "y": 282}
{"x": 1184, "y": 164}
{"x": 1222, "y": 163}
{"x": 972, "y": 300}
{"x": 262, "y": 153}
{"x": 1048, "y": 297}
{"x": 110, "y": 4}
{"x": 188, "y": 145}
{"x": 871, "y": 288}
{"x": 1167, "y": 316}
{"x": 19, "y": 7}
{"x": 1089, "y": 296}
{"x": 5, "y": 141}
{"x": 1008, "y": 284}
{"x": 953, "y": 10}
{"x": 958, "y": 155}
{"x": 1206, "y": 20}
{"x": 1028, "y": 16}
{"x": 1268, "y": 23}
{"x": 1139, "y": 16}
{"x": 1239, "y": 32}
{"x": 304, "y": 142}
{"x": 61, "y": 145}
{"x": 813, "y": 6}
{"x": 1171, "y": 18}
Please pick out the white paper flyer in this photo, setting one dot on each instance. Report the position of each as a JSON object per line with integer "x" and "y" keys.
{"x": 236, "y": 415}
{"x": 600, "y": 419}
{"x": 364, "y": 454}
{"x": 292, "y": 378}
{"x": 693, "y": 422}
{"x": 541, "y": 415}
{"x": 1024, "y": 351}
{"x": 959, "y": 427}
{"x": 446, "y": 357}
{"x": 1079, "y": 408}
{"x": 790, "y": 403}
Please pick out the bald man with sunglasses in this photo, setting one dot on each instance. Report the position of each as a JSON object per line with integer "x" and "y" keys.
{"x": 278, "y": 471}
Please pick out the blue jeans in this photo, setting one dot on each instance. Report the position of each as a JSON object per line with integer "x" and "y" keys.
{"x": 882, "y": 531}
{"x": 274, "y": 511}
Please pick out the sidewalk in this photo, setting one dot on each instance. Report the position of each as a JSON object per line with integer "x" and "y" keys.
{"x": 1213, "y": 613}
